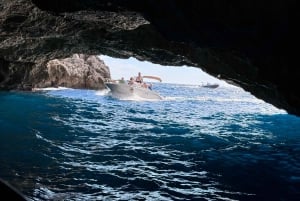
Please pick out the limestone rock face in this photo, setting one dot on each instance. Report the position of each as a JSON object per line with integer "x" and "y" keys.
{"x": 243, "y": 42}
{"x": 78, "y": 71}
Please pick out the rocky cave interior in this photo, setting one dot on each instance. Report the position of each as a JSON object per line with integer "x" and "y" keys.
{"x": 243, "y": 43}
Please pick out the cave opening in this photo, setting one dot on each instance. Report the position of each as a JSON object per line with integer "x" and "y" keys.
{"x": 186, "y": 75}
{"x": 189, "y": 76}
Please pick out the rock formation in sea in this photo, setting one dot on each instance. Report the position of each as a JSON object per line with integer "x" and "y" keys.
{"x": 79, "y": 71}
{"x": 243, "y": 42}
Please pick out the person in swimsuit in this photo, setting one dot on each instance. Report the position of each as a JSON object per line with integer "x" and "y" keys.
{"x": 139, "y": 78}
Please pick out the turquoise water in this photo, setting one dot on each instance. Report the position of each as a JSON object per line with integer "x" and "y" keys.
{"x": 196, "y": 144}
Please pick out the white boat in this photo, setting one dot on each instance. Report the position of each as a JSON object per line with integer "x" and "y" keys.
{"x": 124, "y": 90}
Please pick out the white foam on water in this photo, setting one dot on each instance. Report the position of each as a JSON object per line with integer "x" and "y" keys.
{"x": 50, "y": 89}
{"x": 103, "y": 92}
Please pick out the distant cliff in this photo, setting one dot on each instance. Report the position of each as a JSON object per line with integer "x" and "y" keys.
{"x": 79, "y": 71}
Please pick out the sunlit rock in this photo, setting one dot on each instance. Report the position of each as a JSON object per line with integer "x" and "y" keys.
{"x": 79, "y": 71}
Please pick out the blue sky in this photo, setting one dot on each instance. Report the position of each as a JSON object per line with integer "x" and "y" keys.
{"x": 169, "y": 74}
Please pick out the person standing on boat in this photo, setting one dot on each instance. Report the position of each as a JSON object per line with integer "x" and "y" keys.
{"x": 139, "y": 78}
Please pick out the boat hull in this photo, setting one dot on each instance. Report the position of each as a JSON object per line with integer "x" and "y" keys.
{"x": 120, "y": 90}
{"x": 212, "y": 86}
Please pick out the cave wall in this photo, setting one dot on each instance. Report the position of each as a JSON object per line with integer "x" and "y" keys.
{"x": 242, "y": 42}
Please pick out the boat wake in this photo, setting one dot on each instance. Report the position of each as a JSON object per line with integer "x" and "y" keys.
{"x": 103, "y": 92}
{"x": 133, "y": 97}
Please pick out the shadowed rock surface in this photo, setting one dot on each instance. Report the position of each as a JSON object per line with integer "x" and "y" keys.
{"x": 243, "y": 42}
{"x": 10, "y": 192}
{"x": 79, "y": 71}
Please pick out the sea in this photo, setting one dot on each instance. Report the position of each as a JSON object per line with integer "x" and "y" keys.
{"x": 195, "y": 144}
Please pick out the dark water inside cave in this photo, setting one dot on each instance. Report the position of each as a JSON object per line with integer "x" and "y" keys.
{"x": 196, "y": 144}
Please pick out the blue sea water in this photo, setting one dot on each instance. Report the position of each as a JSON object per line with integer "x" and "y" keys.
{"x": 196, "y": 144}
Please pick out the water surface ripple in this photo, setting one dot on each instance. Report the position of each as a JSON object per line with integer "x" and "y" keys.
{"x": 196, "y": 144}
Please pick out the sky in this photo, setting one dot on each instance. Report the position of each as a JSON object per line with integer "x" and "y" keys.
{"x": 169, "y": 74}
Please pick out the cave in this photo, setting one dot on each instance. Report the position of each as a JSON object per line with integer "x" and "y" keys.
{"x": 243, "y": 43}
